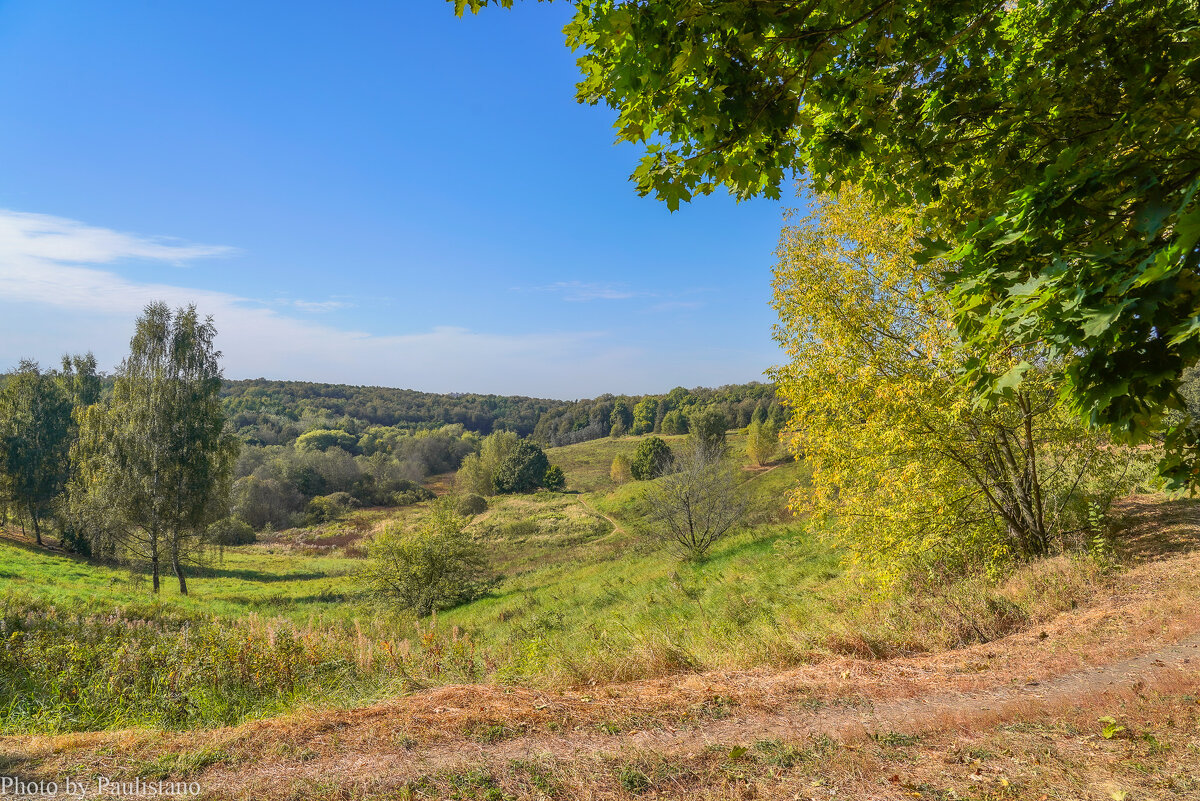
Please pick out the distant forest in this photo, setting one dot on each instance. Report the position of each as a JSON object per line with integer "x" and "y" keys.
{"x": 277, "y": 412}
{"x": 307, "y": 451}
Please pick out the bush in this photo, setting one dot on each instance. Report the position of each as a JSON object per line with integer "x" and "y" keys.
{"x": 555, "y": 479}
{"x": 324, "y": 508}
{"x": 523, "y": 470}
{"x": 651, "y": 459}
{"x": 434, "y": 566}
{"x": 410, "y": 496}
{"x": 472, "y": 504}
{"x": 232, "y": 531}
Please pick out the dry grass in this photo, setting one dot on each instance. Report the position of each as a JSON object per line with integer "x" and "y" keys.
{"x": 1017, "y": 717}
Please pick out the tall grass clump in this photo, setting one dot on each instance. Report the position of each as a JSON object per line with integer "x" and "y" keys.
{"x": 84, "y": 668}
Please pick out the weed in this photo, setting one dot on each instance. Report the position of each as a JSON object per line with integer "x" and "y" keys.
{"x": 634, "y": 781}
{"x": 1110, "y": 728}
{"x": 894, "y": 739}
{"x": 489, "y": 732}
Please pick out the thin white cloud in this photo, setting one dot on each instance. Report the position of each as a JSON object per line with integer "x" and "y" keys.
{"x": 316, "y": 305}
{"x": 47, "y": 263}
{"x": 41, "y": 236}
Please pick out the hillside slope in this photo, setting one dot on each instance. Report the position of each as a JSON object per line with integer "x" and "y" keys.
{"x": 1099, "y": 702}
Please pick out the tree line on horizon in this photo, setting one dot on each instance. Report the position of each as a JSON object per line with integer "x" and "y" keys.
{"x": 165, "y": 458}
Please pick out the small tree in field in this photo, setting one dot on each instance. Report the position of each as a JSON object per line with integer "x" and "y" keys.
{"x": 555, "y": 479}
{"x": 762, "y": 441}
{"x": 477, "y": 473}
{"x": 433, "y": 566}
{"x": 523, "y": 470}
{"x": 706, "y": 428}
{"x": 650, "y": 460}
{"x": 619, "y": 472}
{"x": 698, "y": 502}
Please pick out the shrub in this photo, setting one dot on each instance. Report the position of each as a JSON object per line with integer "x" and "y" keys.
{"x": 324, "y": 508}
{"x": 472, "y": 504}
{"x": 522, "y": 470}
{"x": 433, "y": 566}
{"x": 555, "y": 479}
{"x": 651, "y": 459}
{"x": 408, "y": 497}
{"x": 231, "y": 531}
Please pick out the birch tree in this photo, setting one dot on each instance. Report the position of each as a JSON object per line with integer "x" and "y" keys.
{"x": 155, "y": 462}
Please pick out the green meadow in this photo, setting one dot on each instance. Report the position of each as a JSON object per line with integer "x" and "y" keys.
{"x": 580, "y": 592}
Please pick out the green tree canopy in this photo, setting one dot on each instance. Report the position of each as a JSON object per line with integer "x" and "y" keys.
{"x": 674, "y": 422}
{"x": 523, "y": 470}
{"x": 911, "y": 470}
{"x": 707, "y": 429}
{"x": 321, "y": 439}
{"x": 644, "y": 415}
{"x": 1051, "y": 147}
{"x": 651, "y": 459}
{"x": 157, "y": 459}
{"x": 35, "y": 433}
{"x": 478, "y": 470}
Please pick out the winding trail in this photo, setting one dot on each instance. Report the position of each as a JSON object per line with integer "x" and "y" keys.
{"x": 1141, "y": 636}
{"x": 596, "y": 512}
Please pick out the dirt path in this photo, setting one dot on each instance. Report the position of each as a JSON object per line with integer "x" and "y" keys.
{"x": 1074, "y": 660}
{"x": 843, "y": 723}
{"x": 1142, "y": 639}
{"x": 593, "y": 511}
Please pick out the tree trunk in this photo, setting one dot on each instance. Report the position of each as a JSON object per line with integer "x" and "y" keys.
{"x": 154, "y": 572}
{"x": 178, "y": 568}
{"x": 37, "y": 529}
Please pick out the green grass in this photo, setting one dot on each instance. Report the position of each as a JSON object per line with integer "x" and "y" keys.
{"x": 285, "y": 622}
{"x": 262, "y": 579}
{"x": 587, "y": 464}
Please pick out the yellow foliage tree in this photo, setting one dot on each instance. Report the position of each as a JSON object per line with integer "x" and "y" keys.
{"x": 762, "y": 441}
{"x": 913, "y": 469}
{"x": 620, "y": 472}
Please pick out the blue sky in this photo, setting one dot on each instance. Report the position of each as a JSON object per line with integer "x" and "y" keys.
{"x": 362, "y": 192}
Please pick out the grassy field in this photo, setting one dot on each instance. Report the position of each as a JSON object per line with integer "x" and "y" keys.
{"x": 581, "y": 595}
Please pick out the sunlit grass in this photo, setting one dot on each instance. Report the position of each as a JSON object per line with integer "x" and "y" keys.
{"x": 581, "y": 594}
